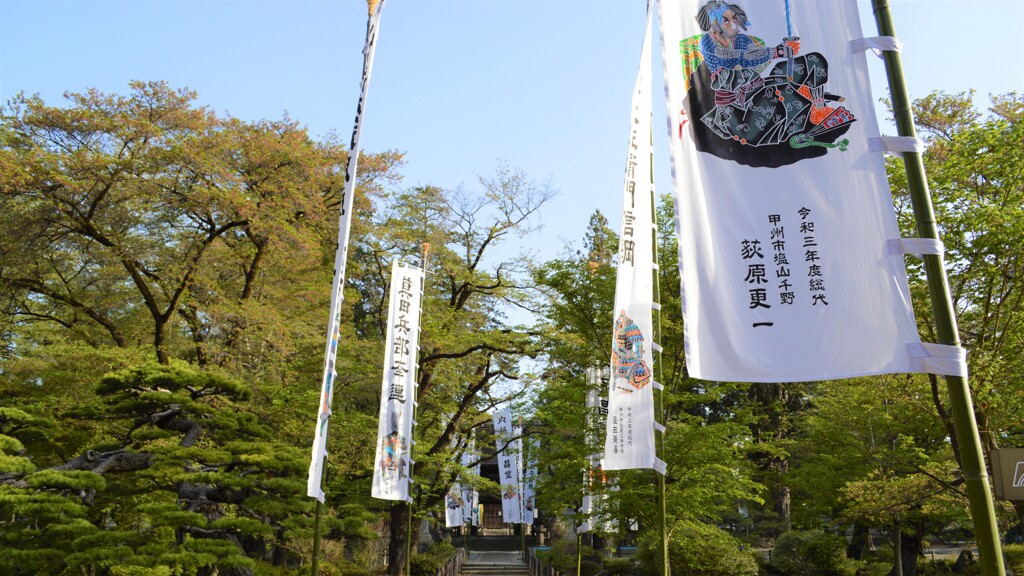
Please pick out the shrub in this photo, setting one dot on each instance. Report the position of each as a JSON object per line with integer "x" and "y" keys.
{"x": 812, "y": 553}
{"x": 620, "y": 567}
{"x": 698, "y": 549}
{"x": 1013, "y": 555}
{"x": 562, "y": 557}
{"x": 433, "y": 559}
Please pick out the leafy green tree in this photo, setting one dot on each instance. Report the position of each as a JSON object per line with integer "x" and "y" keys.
{"x": 873, "y": 452}
{"x": 977, "y": 187}
{"x": 143, "y": 218}
{"x": 194, "y": 484}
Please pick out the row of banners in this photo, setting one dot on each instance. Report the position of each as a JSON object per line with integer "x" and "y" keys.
{"x": 790, "y": 260}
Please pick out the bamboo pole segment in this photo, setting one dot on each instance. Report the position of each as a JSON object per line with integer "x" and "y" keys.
{"x": 979, "y": 493}
{"x": 659, "y": 395}
{"x": 416, "y": 391}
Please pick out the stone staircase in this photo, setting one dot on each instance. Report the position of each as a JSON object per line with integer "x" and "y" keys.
{"x": 494, "y": 564}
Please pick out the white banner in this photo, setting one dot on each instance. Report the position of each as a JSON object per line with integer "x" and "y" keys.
{"x": 469, "y": 493}
{"x": 594, "y": 479}
{"x": 508, "y": 467}
{"x": 398, "y": 388}
{"x": 629, "y": 441}
{"x": 454, "y": 508}
{"x": 319, "y": 457}
{"x": 784, "y": 212}
{"x": 530, "y": 511}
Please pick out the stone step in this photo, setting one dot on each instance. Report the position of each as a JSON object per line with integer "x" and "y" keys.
{"x": 494, "y": 563}
{"x": 494, "y": 569}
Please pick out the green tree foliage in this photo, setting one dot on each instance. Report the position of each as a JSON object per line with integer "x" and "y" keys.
{"x": 699, "y": 549}
{"x": 977, "y": 186}
{"x": 194, "y": 484}
{"x": 812, "y": 553}
{"x": 143, "y": 218}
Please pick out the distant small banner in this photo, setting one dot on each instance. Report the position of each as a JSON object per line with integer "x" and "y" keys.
{"x": 784, "y": 209}
{"x": 508, "y": 467}
{"x": 470, "y": 496}
{"x": 398, "y": 391}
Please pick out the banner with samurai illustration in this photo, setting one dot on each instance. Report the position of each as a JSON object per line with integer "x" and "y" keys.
{"x": 398, "y": 393}
{"x": 455, "y": 507}
{"x": 470, "y": 496}
{"x": 508, "y": 467}
{"x": 784, "y": 210}
{"x": 323, "y": 421}
{"x": 629, "y": 441}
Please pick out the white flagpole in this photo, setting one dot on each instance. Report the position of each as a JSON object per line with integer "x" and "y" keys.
{"x": 314, "y": 486}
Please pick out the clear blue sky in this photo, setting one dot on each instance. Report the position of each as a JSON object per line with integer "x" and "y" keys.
{"x": 457, "y": 84}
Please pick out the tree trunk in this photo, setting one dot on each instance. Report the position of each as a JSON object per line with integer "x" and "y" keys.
{"x": 860, "y": 542}
{"x": 158, "y": 343}
{"x": 907, "y": 548}
{"x": 782, "y": 495}
{"x": 897, "y": 549}
{"x": 398, "y": 545}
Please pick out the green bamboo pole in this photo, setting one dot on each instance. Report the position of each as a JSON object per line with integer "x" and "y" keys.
{"x": 659, "y": 395}
{"x": 316, "y": 527}
{"x": 972, "y": 460}
{"x": 415, "y": 393}
{"x": 579, "y": 552}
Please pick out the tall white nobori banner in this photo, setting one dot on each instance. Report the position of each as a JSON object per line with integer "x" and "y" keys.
{"x": 508, "y": 467}
{"x": 785, "y": 214}
{"x": 319, "y": 457}
{"x": 398, "y": 390}
{"x": 629, "y": 441}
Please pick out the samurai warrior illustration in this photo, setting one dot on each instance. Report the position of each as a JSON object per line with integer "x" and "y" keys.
{"x": 393, "y": 449}
{"x": 759, "y": 105}
{"x": 628, "y": 353}
{"x": 454, "y": 501}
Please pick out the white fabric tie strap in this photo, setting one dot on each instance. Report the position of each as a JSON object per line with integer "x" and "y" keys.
{"x": 895, "y": 144}
{"x": 660, "y": 466}
{"x": 655, "y": 306}
{"x": 941, "y": 359}
{"x": 655, "y": 346}
{"x": 409, "y": 499}
{"x": 877, "y": 43}
{"x": 915, "y": 246}
{"x": 658, "y": 385}
{"x": 659, "y": 427}
{"x": 655, "y": 266}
